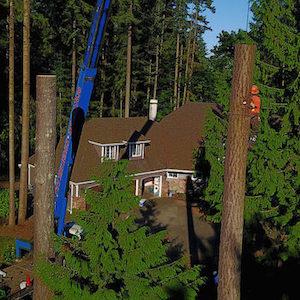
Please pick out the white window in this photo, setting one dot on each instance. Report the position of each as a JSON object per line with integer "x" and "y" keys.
{"x": 172, "y": 175}
{"x": 136, "y": 150}
{"x": 110, "y": 152}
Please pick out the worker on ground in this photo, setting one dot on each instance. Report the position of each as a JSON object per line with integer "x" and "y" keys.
{"x": 255, "y": 120}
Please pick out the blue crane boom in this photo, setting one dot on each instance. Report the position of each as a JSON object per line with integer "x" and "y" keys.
{"x": 80, "y": 105}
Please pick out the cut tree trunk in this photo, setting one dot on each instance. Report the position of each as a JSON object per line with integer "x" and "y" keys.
{"x": 25, "y": 114}
{"x": 235, "y": 175}
{"x": 12, "y": 218}
{"x": 44, "y": 179}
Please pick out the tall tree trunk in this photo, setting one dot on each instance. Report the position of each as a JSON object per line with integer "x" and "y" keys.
{"x": 188, "y": 53}
{"x": 193, "y": 54}
{"x": 149, "y": 81}
{"x": 156, "y": 72}
{"x": 128, "y": 67}
{"x": 25, "y": 114}
{"x": 44, "y": 180}
{"x": 12, "y": 218}
{"x": 101, "y": 104}
{"x": 60, "y": 118}
{"x": 113, "y": 96}
{"x": 176, "y": 73}
{"x": 179, "y": 77}
{"x": 235, "y": 175}
{"x": 121, "y": 103}
{"x": 74, "y": 61}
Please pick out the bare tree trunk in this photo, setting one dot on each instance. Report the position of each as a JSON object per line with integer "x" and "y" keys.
{"x": 44, "y": 180}
{"x": 149, "y": 81}
{"x": 179, "y": 77}
{"x": 193, "y": 54}
{"x": 101, "y": 104}
{"x": 156, "y": 72}
{"x": 113, "y": 96}
{"x": 176, "y": 73}
{"x": 235, "y": 175}
{"x": 121, "y": 103}
{"x": 188, "y": 53}
{"x": 25, "y": 114}
{"x": 60, "y": 117}
{"x": 74, "y": 61}
{"x": 12, "y": 218}
{"x": 128, "y": 67}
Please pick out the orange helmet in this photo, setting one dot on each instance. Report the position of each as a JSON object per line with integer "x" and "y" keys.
{"x": 254, "y": 90}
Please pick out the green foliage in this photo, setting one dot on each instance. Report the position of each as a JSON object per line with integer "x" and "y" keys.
{"x": 272, "y": 201}
{"x": 7, "y": 250}
{"x": 117, "y": 259}
{"x": 4, "y": 202}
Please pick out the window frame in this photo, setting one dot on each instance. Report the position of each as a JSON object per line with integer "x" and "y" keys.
{"x": 112, "y": 153}
{"x": 136, "y": 146}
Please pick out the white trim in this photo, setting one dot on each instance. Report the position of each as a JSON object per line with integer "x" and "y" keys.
{"x": 83, "y": 182}
{"x": 140, "y": 174}
{"x": 108, "y": 144}
{"x": 137, "y": 142}
{"x": 164, "y": 170}
{"x": 136, "y": 187}
{"x": 172, "y": 177}
{"x": 160, "y": 185}
{"x": 77, "y": 190}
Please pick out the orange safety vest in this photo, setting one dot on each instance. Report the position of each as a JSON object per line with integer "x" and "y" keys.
{"x": 256, "y": 101}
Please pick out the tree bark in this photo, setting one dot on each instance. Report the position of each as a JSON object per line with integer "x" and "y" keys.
{"x": 176, "y": 73}
{"x": 45, "y": 170}
{"x": 12, "y": 218}
{"x": 101, "y": 104}
{"x": 121, "y": 103}
{"x": 235, "y": 175}
{"x": 25, "y": 114}
{"x": 179, "y": 77}
{"x": 156, "y": 72}
{"x": 149, "y": 81}
{"x": 188, "y": 53}
{"x": 189, "y": 91}
{"x": 74, "y": 61}
{"x": 128, "y": 67}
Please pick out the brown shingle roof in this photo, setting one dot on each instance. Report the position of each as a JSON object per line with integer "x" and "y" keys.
{"x": 172, "y": 140}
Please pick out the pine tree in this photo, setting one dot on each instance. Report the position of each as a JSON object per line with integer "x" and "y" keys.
{"x": 273, "y": 176}
{"x": 116, "y": 258}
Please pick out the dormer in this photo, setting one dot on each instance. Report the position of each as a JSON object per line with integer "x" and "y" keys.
{"x": 109, "y": 151}
{"x": 136, "y": 150}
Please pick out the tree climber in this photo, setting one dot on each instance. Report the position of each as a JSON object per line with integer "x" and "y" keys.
{"x": 255, "y": 120}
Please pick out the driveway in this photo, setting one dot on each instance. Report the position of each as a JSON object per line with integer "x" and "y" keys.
{"x": 186, "y": 229}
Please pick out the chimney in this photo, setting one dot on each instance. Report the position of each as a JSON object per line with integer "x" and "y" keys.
{"x": 153, "y": 109}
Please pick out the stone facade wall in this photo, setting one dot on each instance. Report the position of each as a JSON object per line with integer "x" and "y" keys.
{"x": 79, "y": 203}
{"x": 178, "y": 185}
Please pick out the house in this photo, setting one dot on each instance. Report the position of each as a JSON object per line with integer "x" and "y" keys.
{"x": 160, "y": 154}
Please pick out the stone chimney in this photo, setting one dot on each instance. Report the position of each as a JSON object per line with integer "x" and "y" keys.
{"x": 153, "y": 109}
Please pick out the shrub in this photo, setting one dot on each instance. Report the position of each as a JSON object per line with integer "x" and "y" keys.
{"x": 4, "y": 202}
{"x": 7, "y": 250}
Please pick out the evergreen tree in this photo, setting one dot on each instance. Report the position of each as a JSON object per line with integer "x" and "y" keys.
{"x": 271, "y": 203}
{"x": 116, "y": 258}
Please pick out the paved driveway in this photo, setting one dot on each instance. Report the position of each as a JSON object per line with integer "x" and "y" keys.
{"x": 186, "y": 229}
